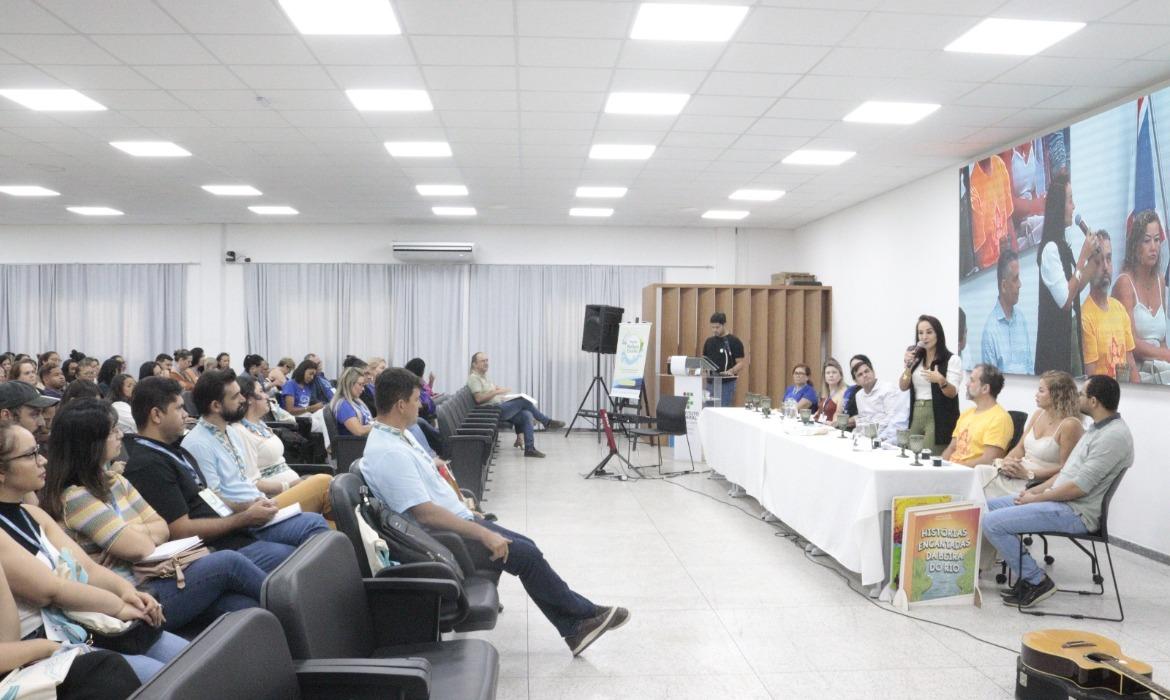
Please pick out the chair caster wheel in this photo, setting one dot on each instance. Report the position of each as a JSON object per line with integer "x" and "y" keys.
{"x": 1048, "y": 559}
{"x": 1027, "y": 541}
{"x": 1000, "y": 578}
{"x": 1098, "y": 579}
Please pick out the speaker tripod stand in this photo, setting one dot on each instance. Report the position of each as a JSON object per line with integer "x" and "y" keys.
{"x": 596, "y": 388}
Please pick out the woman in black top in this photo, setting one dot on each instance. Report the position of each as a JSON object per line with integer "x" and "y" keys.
{"x": 931, "y": 364}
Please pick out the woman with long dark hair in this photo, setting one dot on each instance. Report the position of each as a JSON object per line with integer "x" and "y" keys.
{"x": 1058, "y": 334}
{"x": 110, "y": 369}
{"x": 121, "y": 390}
{"x": 932, "y": 377}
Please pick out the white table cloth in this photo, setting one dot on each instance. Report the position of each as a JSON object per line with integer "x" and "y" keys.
{"x": 819, "y": 486}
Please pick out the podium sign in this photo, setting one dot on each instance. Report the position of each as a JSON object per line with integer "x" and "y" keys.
{"x": 629, "y": 366}
{"x": 691, "y": 387}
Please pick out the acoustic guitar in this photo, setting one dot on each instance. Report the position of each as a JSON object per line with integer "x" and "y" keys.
{"x": 1088, "y": 660}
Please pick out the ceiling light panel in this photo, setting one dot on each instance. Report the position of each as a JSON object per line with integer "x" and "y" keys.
{"x": 877, "y": 112}
{"x": 679, "y": 22}
{"x": 757, "y": 195}
{"x": 390, "y": 100}
{"x": 601, "y": 192}
{"x": 28, "y": 191}
{"x": 1013, "y": 37}
{"x": 95, "y": 211}
{"x": 815, "y": 157}
{"x": 53, "y": 100}
{"x": 594, "y": 212}
{"x": 345, "y": 17}
{"x": 273, "y": 210}
{"x": 453, "y": 211}
{"x": 233, "y": 190}
{"x": 621, "y": 151}
{"x": 660, "y": 103}
{"x": 442, "y": 190}
{"x": 419, "y": 149}
{"x": 725, "y": 214}
{"x": 151, "y": 149}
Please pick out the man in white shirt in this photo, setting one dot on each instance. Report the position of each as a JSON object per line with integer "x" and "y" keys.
{"x": 877, "y": 402}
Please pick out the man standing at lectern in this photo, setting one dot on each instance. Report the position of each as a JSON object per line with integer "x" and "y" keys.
{"x": 725, "y": 351}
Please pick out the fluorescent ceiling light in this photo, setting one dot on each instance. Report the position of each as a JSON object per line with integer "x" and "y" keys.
{"x": 676, "y": 22}
{"x": 598, "y": 212}
{"x": 28, "y": 191}
{"x": 419, "y": 149}
{"x": 620, "y": 151}
{"x": 806, "y": 156}
{"x": 728, "y": 214}
{"x": 1013, "y": 37}
{"x": 876, "y": 112}
{"x": 95, "y": 211}
{"x": 233, "y": 190}
{"x": 757, "y": 195}
{"x": 601, "y": 192}
{"x": 442, "y": 190}
{"x": 272, "y": 210}
{"x": 53, "y": 100}
{"x": 453, "y": 211}
{"x": 390, "y": 100}
{"x": 151, "y": 149}
{"x": 646, "y": 102}
{"x": 368, "y": 17}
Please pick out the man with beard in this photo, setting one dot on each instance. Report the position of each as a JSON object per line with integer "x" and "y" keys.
{"x": 984, "y": 431}
{"x": 221, "y": 456}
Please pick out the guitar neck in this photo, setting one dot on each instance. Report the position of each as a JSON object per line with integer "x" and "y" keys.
{"x": 1148, "y": 684}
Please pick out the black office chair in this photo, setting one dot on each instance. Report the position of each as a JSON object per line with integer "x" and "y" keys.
{"x": 670, "y": 419}
{"x": 1019, "y": 420}
{"x": 244, "y": 655}
{"x": 1093, "y": 538}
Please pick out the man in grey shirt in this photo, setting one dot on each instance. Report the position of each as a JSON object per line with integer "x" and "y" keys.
{"x": 1070, "y": 500}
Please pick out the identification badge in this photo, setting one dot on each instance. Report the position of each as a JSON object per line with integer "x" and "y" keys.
{"x": 210, "y": 498}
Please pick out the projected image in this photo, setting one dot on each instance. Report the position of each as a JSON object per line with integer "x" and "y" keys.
{"x": 1063, "y": 258}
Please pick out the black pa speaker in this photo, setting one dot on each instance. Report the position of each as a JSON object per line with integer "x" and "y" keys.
{"x": 601, "y": 328}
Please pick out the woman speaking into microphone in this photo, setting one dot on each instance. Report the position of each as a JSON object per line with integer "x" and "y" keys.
{"x": 932, "y": 377}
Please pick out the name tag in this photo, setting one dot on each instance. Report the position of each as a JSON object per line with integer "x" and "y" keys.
{"x": 210, "y": 498}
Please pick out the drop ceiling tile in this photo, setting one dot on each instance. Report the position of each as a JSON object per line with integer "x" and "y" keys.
{"x": 657, "y": 80}
{"x": 627, "y": 136}
{"x": 469, "y": 78}
{"x": 482, "y": 120}
{"x": 464, "y": 50}
{"x": 975, "y": 8}
{"x": 24, "y": 17}
{"x": 229, "y": 16}
{"x": 788, "y": 25}
{"x": 27, "y": 77}
{"x": 403, "y": 120}
{"x": 322, "y": 118}
{"x": 668, "y": 55}
{"x": 364, "y": 77}
{"x": 168, "y": 118}
{"x": 745, "y": 155}
{"x": 996, "y": 95}
{"x": 192, "y": 77}
{"x": 579, "y": 136}
{"x": 900, "y": 63}
{"x": 99, "y": 77}
{"x": 748, "y": 84}
{"x": 50, "y": 134}
{"x": 305, "y": 99}
{"x": 564, "y": 79}
{"x": 710, "y": 105}
{"x": 895, "y": 30}
{"x": 486, "y": 153}
{"x": 568, "y": 52}
{"x": 155, "y": 49}
{"x": 1083, "y": 99}
{"x": 247, "y": 118}
{"x": 485, "y": 100}
{"x": 482, "y": 18}
{"x": 1068, "y": 10}
{"x": 333, "y": 135}
{"x": 59, "y": 49}
{"x": 832, "y": 87}
{"x": 1142, "y": 12}
{"x": 137, "y": 100}
{"x": 361, "y": 50}
{"x": 113, "y": 16}
{"x": 771, "y": 143}
{"x": 557, "y": 18}
{"x": 216, "y": 99}
{"x": 789, "y": 127}
{"x": 285, "y": 77}
{"x": 258, "y": 50}
{"x": 532, "y": 101}
{"x": 713, "y": 124}
{"x": 1137, "y": 74}
{"x": 558, "y": 120}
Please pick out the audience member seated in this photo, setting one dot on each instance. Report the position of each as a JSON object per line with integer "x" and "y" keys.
{"x": 223, "y": 361}
{"x": 87, "y": 369}
{"x": 518, "y": 411}
{"x": 297, "y": 393}
{"x": 427, "y": 415}
{"x": 221, "y": 455}
{"x": 877, "y": 402}
{"x": 264, "y": 462}
{"x": 1068, "y": 501}
{"x": 834, "y": 388}
{"x": 183, "y": 373}
{"x": 174, "y": 484}
{"x": 276, "y": 382}
{"x": 33, "y": 547}
{"x": 112, "y": 523}
{"x": 351, "y": 414}
{"x": 256, "y": 367}
{"x": 121, "y": 389}
{"x": 801, "y": 391}
{"x": 401, "y": 474}
{"x": 984, "y": 431}
{"x": 851, "y": 391}
{"x": 81, "y": 389}
{"x": 932, "y": 376}
{"x": 52, "y": 381}
{"x": 1049, "y": 437}
{"x": 197, "y": 359}
{"x": 96, "y": 674}
{"x": 1141, "y": 289}
{"x": 49, "y": 357}
{"x": 286, "y": 365}
{"x": 7, "y": 359}
{"x": 23, "y": 405}
{"x": 109, "y": 369}
{"x": 166, "y": 363}
{"x": 69, "y": 367}
{"x": 24, "y": 371}
{"x": 367, "y": 395}
{"x": 149, "y": 369}
{"x": 321, "y": 389}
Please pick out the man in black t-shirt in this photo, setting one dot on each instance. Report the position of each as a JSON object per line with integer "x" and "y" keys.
{"x": 725, "y": 351}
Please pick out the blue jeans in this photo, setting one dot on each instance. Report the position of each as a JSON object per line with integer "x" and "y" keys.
{"x": 1005, "y": 520}
{"x": 726, "y": 391}
{"x": 521, "y": 413}
{"x": 278, "y": 541}
{"x": 147, "y": 665}
{"x": 218, "y": 583}
{"x": 563, "y": 606}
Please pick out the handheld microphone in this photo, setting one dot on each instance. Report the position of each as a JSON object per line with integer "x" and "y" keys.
{"x": 1080, "y": 222}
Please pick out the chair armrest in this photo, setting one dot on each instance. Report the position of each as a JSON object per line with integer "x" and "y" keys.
{"x": 458, "y": 547}
{"x": 408, "y": 678}
{"x": 411, "y": 610}
{"x": 310, "y": 469}
{"x": 422, "y": 569}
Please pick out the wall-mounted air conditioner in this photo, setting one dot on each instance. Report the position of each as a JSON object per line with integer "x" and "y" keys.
{"x": 434, "y": 251}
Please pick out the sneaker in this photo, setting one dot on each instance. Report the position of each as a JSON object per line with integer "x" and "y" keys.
{"x": 1031, "y": 593}
{"x": 589, "y": 630}
{"x": 620, "y": 617}
{"x": 533, "y": 453}
{"x": 554, "y": 425}
{"x": 1011, "y": 591}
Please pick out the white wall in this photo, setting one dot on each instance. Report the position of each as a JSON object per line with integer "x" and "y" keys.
{"x": 894, "y": 257}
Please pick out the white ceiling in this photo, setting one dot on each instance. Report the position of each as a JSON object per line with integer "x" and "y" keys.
{"x": 518, "y": 88}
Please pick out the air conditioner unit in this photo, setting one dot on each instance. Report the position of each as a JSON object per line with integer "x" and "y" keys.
{"x": 434, "y": 251}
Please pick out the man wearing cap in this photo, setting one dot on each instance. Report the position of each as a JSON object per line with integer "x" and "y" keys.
{"x": 22, "y": 404}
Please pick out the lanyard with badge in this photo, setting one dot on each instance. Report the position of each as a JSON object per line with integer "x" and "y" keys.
{"x": 209, "y": 497}
{"x": 52, "y": 625}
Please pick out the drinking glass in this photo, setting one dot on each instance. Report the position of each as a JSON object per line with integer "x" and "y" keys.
{"x": 842, "y": 423}
{"x": 903, "y": 439}
{"x": 916, "y": 444}
{"x": 805, "y": 416}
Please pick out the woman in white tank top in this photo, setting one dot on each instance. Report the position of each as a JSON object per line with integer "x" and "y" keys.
{"x": 1049, "y": 436}
{"x": 1140, "y": 288}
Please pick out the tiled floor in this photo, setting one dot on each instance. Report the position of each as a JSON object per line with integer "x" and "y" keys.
{"x": 723, "y": 607}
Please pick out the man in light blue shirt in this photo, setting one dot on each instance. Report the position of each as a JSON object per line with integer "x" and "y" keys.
{"x": 402, "y": 475}
{"x": 221, "y": 457}
{"x": 1007, "y": 343}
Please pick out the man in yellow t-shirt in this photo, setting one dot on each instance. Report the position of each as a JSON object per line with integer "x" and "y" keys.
{"x": 983, "y": 432}
{"x": 1107, "y": 332}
